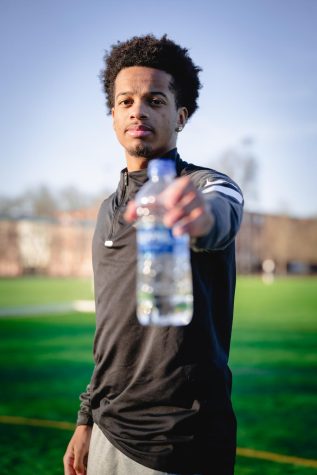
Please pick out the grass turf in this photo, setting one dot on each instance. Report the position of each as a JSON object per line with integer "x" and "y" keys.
{"x": 46, "y": 363}
{"x": 38, "y": 290}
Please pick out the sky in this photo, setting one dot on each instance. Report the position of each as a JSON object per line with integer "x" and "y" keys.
{"x": 259, "y": 61}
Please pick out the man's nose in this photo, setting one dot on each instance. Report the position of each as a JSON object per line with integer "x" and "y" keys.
{"x": 139, "y": 110}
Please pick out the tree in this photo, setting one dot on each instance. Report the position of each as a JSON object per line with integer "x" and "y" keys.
{"x": 43, "y": 202}
{"x": 71, "y": 198}
{"x": 241, "y": 165}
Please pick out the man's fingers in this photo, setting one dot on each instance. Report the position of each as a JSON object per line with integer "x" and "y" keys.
{"x": 187, "y": 205}
{"x": 185, "y": 209}
{"x": 130, "y": 213}
{"x": 190, "y": 214}
{"x": 75, "y": 462}
{"x": 76, "y": 455}
{"x": 79, "y": 466}
{"x": 69, "y": 464}
{"x": 196, "y": 224}
{"x": 176, "y": 191}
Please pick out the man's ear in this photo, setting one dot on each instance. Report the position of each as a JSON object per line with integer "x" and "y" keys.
{"x": 112, "y": 115}
{"x": 182, "y": 117}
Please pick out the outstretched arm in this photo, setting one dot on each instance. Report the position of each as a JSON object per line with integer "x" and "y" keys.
{"x": 210, "y": 211}
{"x": 186, "y": 210}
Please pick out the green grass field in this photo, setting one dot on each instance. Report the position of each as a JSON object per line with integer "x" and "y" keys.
{"x": 46, "y": 362}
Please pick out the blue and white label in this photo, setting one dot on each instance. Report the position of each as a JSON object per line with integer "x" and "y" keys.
{"x": 155, "y": 239}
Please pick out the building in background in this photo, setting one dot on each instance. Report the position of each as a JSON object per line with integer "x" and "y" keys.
{"x": 290, "y": 243}
{"x": 58, "y": 246}
{"x": 62, "y": 246}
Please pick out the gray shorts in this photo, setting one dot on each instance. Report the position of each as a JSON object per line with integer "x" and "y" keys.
{"x": 105, "y": 459}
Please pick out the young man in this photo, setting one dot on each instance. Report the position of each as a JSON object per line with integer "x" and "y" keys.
{"x": 159, "y": 398}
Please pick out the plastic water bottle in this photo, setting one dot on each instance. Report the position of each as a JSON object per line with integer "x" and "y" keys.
{"x": 164, "y": 277}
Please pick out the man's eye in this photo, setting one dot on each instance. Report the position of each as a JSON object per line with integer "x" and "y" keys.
{"x": 125, "y": 102}
{"x": 156, "y": 102}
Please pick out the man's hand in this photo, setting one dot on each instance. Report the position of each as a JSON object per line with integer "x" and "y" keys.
{"x": 76, "y": 455}
{"x": 186, "y": 210}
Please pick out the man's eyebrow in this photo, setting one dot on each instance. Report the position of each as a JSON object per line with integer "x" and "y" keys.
{"x": 123, "y": 94}
{"x": 151, "y": 93}
{"x": 158, "y": 93}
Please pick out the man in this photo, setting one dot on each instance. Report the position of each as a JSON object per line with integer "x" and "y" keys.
{"x": 159, "y": 398}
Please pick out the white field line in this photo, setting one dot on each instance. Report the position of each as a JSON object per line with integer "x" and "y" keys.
{"x": 85, "y": 306}
{"x": 242, "y": 452}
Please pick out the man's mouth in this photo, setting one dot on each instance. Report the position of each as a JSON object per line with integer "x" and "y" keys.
{"x": 139, "y": 131}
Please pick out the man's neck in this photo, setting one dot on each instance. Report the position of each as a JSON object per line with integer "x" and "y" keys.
{"x": 136, "y": 163}
{"x": 139, "y": 163}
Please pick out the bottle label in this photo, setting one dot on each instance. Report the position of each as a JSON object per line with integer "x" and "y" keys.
{"x": 155, "y": 239}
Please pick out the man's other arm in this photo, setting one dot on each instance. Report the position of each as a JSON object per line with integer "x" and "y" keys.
{"x": 76, "y": 455}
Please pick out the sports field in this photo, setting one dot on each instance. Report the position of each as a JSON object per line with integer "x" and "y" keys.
{"x": 45, "y": 362}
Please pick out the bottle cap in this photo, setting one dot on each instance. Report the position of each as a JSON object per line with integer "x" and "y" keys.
{"x": 161, "y": 166}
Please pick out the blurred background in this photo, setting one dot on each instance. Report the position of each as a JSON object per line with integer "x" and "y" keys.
{"x": 256, "y": 121}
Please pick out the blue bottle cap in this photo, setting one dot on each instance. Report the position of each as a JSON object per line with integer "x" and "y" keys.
{"x": 161, "y": 166}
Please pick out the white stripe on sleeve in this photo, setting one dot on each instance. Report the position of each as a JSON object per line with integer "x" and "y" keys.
{"x": 218, "y": 182}
{"x": 225, "y": 190}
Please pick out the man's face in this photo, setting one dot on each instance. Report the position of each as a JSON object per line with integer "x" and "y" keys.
{"x": 145, "y": 116}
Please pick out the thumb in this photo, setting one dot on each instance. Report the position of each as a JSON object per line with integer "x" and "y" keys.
{"x": 130, "y": 213}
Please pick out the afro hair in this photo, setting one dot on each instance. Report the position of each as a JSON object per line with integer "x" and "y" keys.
{"x": 156, "y": 53}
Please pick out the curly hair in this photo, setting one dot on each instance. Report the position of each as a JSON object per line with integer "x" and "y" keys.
{"x": 161, "y": 54}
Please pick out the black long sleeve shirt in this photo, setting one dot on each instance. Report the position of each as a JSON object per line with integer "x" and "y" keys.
{"x": 162, "y": 395}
